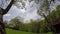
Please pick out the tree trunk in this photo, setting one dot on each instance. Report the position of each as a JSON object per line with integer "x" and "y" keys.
{"x": 2, "y": 27}
{"x": 38, "y": 28}
{"x": 2, "y": 12}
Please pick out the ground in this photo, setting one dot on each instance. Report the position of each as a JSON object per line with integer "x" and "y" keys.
{"x": 11, "y": 31}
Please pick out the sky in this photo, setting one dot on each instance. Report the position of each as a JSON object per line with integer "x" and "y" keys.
{"x": 29, "y": 13}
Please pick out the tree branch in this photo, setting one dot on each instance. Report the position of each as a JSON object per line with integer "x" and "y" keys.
{"x": 8, "y": 7}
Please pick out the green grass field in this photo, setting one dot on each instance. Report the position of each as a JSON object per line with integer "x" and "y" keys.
{"x": 11, "y": 31}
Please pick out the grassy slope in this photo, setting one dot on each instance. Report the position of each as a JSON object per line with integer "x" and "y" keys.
{"x": 11, "y": 31}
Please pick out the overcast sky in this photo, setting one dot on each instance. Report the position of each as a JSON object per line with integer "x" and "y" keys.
{"x": 29, "y": 13}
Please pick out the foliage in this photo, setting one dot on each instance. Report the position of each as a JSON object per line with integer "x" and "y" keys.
{"x": 33, "y": 26}
{"x": 6, "y": 24}
{"x": 15, "y": 23}
{"x": 55, "y": 13}
{"x": 44, "y": 11}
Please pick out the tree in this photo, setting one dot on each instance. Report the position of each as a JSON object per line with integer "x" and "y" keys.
{"x": 35, "y": 26}
{"x": 44, "y": 10}
{"x": 6, "y": 24}
{"x": 2, "y": 12}
{"x": 15, "y": 23}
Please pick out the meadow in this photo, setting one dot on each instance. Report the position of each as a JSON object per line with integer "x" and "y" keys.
{"x": 11, "y": 31}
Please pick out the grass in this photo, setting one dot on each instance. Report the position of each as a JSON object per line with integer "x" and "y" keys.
{"x": 49, "y": 33}
{"x": 11, "y": 31}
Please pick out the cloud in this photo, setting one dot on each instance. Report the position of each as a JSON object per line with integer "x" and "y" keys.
{"x": 33, "y": 15}
{"x": 30, "y": 13}
{"x": 22, "y": 10}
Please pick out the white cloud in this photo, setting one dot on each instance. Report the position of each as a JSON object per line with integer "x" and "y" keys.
{"x": 22, "y": 10}
{"x": 33, "y": 15}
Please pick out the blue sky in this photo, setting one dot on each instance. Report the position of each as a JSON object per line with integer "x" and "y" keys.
{"x": 29, "y": 13}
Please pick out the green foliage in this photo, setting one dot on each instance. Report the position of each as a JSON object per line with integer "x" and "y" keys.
{"x": 33, "y": 26}
{"x": 58, "y": 7}
{"x": 55, "y": 13}
{"x": 51, "y": 17}
{"x": 15, "y": 23}
{"x": 42, "y": 26}
{"x": 6, "y": 25}
{"x": 44, "y": 9}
